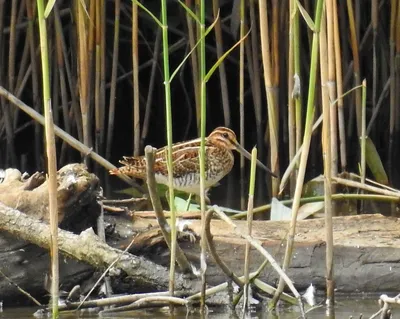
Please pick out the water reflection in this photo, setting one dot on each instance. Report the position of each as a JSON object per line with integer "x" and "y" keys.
{"x": 344, "y": 309}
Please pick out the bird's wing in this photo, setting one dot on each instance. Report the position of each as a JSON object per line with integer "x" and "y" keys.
{"x": 137, "y": 162}
{"x": 184, "y": 161}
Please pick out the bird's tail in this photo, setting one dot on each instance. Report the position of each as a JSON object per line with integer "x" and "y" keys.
{"x": 133, "y": 167}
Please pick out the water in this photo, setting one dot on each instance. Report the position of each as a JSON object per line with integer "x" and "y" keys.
{"x": 345, "y": 308}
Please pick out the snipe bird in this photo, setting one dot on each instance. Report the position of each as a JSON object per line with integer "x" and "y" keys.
{"x": 186, "y": 167}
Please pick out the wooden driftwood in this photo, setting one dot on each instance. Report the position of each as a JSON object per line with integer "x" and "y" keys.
{"x": 25, "y": 264}
{"x": 367, "y": 247}
{"x": 24, "y": 236}
{"x": 87, "y": 247}
{"x": 76, "y": 189}
{"x": 366, "y": 252}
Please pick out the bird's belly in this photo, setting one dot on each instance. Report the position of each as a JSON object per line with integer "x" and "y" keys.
{"x": 190, "y": 183}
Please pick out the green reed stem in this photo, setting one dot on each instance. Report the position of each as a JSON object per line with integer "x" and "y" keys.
{"x": 167, "y": 87}
{"x": 306, "y": 148}
{"x": 202, "y": 154}
{"x": 250, "y": 205}
{"x": 51, "y": 158}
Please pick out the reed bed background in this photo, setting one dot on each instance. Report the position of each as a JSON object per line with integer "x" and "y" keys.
{"x": 289, "y": 63}
{"x": 107, "y": 81}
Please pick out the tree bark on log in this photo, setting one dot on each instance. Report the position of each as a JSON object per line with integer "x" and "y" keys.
{"x": 24, "y": 237}
{"x": 367, "y": 247}
{"x": 87, "y": 247}
{"x": 366, "y": 251}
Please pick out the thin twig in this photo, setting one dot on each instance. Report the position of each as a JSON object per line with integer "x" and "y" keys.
{"x": 27, "y": 294}
{"x": 369, "y": 188}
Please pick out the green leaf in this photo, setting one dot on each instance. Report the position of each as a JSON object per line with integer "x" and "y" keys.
{"x": 182, "y": 205}
{"x": 149, "y": 13}
{"x": 306, "y": 16}
{"x": 49, "y": 7}
{"x": 374, "y": 162}
{"x": 190, "y": 12}
{"x": 194, "y": 48}
{"x": 222, "y": 58}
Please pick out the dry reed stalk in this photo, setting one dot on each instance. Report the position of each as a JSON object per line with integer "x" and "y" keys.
{"x": 394, "y": 77}
{"x": 10, "y": 157}
{"x": 23, "y": 73}
{"x": 83, "y": 68}
{"x": 152, "y": 81}
{"x": 194, "y": 60}
{"x": 219, "y": 45}
{"x": 270, "y": 76}
{"x": 12, "y": 46}
{"x": 292, "y": 95}
{"x": 392, "y": 98}
{"x": 326, "y": 67}
{"x": 55, "y": 82}
{"x": 306, "y": 146}
{"x": 30, "y": 9}
{"x": 331, "y": 83}
{"x": 397, "y": 73}
{"x": 339, "y": 87}
{"x": 114, "y": 73}
{"x": 241, "y": 99}
{"x": 250, "y": 205}
{"x": 356, "y": 65}
{"x": 51, "y": 159}
{"x": 253, "y": 65}
{"x": 374, "y": 23}
{"x": 61, "y": 70}
{"x": 99, "y": 76}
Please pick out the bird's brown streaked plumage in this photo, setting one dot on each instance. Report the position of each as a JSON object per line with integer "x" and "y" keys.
{"x": 186, "y": 167}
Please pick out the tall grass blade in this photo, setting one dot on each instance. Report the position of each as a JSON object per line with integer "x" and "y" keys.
{"x": 51, "y": 159}
{"x": 167, "y": 88}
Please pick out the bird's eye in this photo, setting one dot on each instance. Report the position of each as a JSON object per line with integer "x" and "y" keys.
{"x": 225, "y": 135}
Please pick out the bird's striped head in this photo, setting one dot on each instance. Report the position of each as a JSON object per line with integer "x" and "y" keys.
{"x": 226, "y": 138}
{"x": 223, "y": 137}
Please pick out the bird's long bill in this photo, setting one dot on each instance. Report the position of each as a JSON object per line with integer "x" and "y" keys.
{"x": 246, "y": 154}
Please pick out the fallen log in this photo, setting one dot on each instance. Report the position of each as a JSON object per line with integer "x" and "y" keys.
{"x": 367, "y": 247}
{"x": 366, "y": 251}
{"x": 24, "y": 237}
{"x": 88, "y": 247}
{"x": 27, "y": 265}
